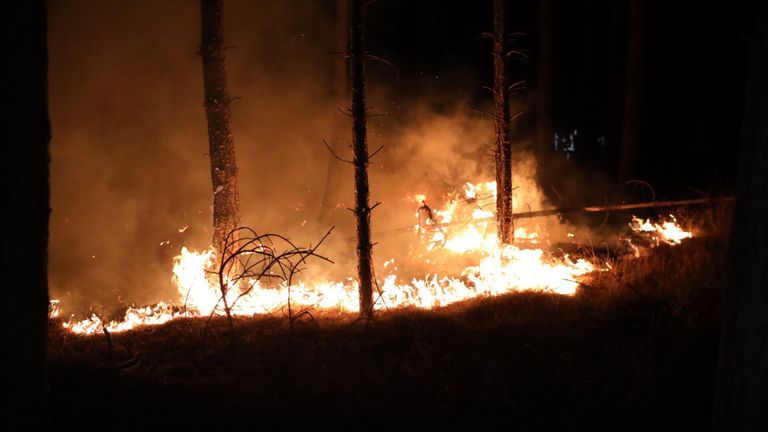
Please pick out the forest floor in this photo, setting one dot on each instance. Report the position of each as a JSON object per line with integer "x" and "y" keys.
{"x": 635, "y": 349}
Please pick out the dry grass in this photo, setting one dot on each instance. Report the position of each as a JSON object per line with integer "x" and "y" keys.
{"x": 635, "y": 349}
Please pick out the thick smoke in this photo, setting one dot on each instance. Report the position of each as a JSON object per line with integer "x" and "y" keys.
{"x": 130, "y": 175}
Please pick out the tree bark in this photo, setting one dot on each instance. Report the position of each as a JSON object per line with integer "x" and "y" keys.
{"x": 341, "y": 96}
{"x": 356, "y": 55}
{"x": 616, "y": 75}
{"x": 25, "y": 189}
{"x": 741, "y": 402}
{"x": 226, "y": 200}
{"x": 633, "y": 91}
{"x": 503, "y": 153}
{"x": 544, "y": 132}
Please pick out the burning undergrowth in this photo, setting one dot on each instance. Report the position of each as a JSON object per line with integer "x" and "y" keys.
{"x": 452, "y": 255}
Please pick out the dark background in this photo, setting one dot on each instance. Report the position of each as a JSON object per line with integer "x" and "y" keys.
{"x": 693, "y": 78}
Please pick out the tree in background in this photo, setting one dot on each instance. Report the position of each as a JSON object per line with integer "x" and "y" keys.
{"x": 742, "y": 392}
{"x": 544, "y": 131}
{"x": 26, "y": 194}
{"x": 633, "y": 91}
{"x": 356, "y": 54}
{"x": 341, "y": 97}
{"x": 226, "y": 201}
{"x": 503, "y": 151}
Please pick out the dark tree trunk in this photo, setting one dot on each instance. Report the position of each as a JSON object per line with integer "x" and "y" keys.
{"x": 341, "y": 96}
{"x": 503, "y": 153}
{"x": 544, "y": 132}
{"x": 616, "y": 71}
{"x": 742, "y": 392}
{"x": 26, "y": 133}
{"x": 360, "y": 149}
{"x": 226, "y": 201}
{"x": 633, "y": 91}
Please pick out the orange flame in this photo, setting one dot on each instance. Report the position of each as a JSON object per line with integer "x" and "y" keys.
{"x": 461, "y": 227}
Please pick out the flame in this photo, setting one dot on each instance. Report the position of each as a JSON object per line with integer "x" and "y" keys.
{"x": 668, "y": 232}
{"x": 157, "y": 314}
{"x": 54, "y": 308}
{"x": 464, "y": 226}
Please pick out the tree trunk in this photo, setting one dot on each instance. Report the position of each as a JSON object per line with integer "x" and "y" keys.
{"x": 633, "y": 91}
{"x": 503, "y": 153}
{"x": 741, "y": 402}
{"x": 616, "y": 71}
{"x": 544, "y": 132}
{"x": 360, "y": 149}
{"x": 26, "y": 133}
{"x": 341, "y": 96}
{"x": 226, "y": 201}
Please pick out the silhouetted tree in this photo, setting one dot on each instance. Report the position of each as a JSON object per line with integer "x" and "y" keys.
{"x": 25, "y": 133}
{"x": 742, "y": 391}
{"x": 356, "y": 54}
{"x": 633, "y": 90}
{"x": 544, "y": 132}
{"x": 616, "y": 71}
{"x": 226, "y": 200}
{"x": 503, "y": 151}
{"x": 341, "y": 97}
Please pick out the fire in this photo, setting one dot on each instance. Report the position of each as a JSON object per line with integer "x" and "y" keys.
{"x": 667, "y": 232}
{"x": 54, "y": 309}
{"x": 464, "y": 226}
{"x": 157, "y": 314}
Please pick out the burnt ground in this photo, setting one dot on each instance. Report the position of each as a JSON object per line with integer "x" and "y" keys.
{"x": 636, "y": 349}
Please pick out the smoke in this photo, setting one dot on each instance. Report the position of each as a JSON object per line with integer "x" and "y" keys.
{"x": 130, "y": 175}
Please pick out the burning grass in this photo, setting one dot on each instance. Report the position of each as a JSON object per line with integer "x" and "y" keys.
{"x": 460, "y": 234}
{"x": 636, "y": 347}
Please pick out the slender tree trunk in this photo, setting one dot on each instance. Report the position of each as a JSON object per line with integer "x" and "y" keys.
{"x": 616, "y": 71}
{"x": 742, "y": 392}
{"x": 226, "y": 201}
{"x": 341, "y": 96}
{"x": 25, "y": 190}
{"x": 360, "y": 149}
{"x": 633, "y": 91}
{"x": 503, "y": 151}
{"x": 544, "y": 132}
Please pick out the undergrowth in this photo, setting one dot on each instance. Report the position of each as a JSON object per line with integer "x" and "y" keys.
{"x": 634, "y": 349}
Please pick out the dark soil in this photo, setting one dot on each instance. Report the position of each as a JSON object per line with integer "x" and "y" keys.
{"x": 636, "y": 349}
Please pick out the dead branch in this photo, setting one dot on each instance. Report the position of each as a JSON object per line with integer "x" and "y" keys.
{"x": 248, "y": 258}
{"x": 335, "y": 154}
{"x": 588, "y": 209}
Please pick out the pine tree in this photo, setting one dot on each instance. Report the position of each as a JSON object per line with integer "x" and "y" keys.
{"x": 741, "y": 402}
{"x": 26, "y": 194}
{"x": 503, "y": 151}
{"x": 341, "y": 96}
{"x": 226, "y": 201}
{"x": 356, "y": 54}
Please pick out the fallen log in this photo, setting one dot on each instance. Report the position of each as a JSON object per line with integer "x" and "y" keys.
{"x": 588, "y": 209}
{"x": 614, "y": 207}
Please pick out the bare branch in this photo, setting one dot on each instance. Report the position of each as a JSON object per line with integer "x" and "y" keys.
{"x": 370, "y": 156}
{"x": 484, "y": 112}
{"x": 644, "y": 183}
{"x": 336, "y": 155}
{"x": 386, "y": 62}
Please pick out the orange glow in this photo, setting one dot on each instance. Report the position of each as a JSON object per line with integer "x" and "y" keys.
{"x": 666, "y": 232}
{"x": 461, "y": 228}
